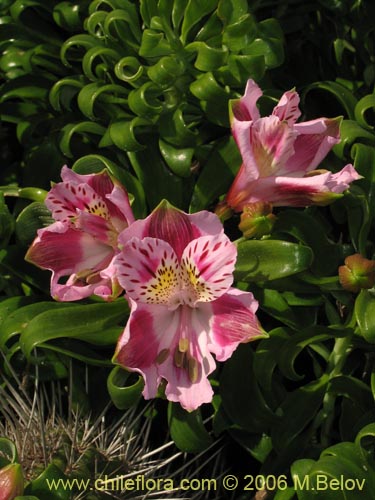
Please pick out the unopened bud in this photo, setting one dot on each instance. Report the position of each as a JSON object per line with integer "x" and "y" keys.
{"x": 11, "y": 482}
{"x": 357, "y": 273}
{"x": 257, "y": 220}
{"x": 223, "y": 211}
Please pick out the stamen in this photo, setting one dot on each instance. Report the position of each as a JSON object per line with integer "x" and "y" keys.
{"x": 162, "y": 356}
{"x": 183, "y": 345}
{"x": 193, "y": 370}
{"x": 179, "y": 358}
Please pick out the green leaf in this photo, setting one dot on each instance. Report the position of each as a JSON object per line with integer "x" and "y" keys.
{"x": 342, "y": 472}
{"x": 339, "y": 92}
{"x": 298, "y": 409}
{"x": 154, "y": 45}
{"x": 258, "y": 445}
{"x": 144, "y": 101}
{"x": 6, "y": 222}
{"x": 7, "y": 306}
{"x": 187, "y": 429}
{"x": 99, "y": 97}
{"x": 124, "y": 133}
{"x": 217, "y": 174}
{"x": 241, "y": 397}
{"x": 240, "y": 32}
{"x": 33, "y": 217}
{"x": 25, "y": 87}
{"x": 366, "y": 104}
{"x": 364, "y": 310}
{"x": 208, "y": 58}
{"x": 194, "y": 12}
{"x": 178, "y": 160}
{"x": 42, "y": 486}
{"x": 353, "y": 389}
{"x": 123, "y": 392}
{"x": 16, "y": 322}
{"x": 351, "y": 133}
{"x": 266, "y": 260}
{"x": 311, "y": 232}
{"x": 66, "y": 15}
{"x": 84, "y": 128}
{"x": 265, "y": 360}
{"x": 8, "y": 452}
{"x": 93, "y": 323}
{"x": 276, "y": 306}
{"x": 292, "y": 347}
{"x": 157, "y": 180}
{"x": 213, "y": 98}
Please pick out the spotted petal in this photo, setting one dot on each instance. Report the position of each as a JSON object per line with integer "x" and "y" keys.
{"x": 207, "y": 266}
{"x": 148, "y": 269}
{"x": 287, "y": 108}
{"x": 66, "y": 197}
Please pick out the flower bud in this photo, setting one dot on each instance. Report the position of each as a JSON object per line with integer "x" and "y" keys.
{"x": 257, "y": 220}
{"x": 357, "y": 273}
{"x": 223, "y": 211}
{"x": 11, "y": 482}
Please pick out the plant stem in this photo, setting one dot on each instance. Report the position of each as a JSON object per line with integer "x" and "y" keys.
{"x": 336, "y": 362}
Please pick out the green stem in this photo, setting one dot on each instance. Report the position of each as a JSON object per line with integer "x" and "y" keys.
{"x": 336, "y": 362}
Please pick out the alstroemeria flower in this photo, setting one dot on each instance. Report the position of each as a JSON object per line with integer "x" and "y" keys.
{"x": 280, "y": 156}
{"x": 89, "y": 212}
{"x": 177, "y": 270}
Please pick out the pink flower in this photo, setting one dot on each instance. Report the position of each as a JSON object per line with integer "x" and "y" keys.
{"x": 89, "y": 211}
{"x": 177, "y": 270}
{"x": 280, "y": 156}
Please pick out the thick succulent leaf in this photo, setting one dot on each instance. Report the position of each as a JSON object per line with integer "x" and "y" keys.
{"x": 365, "y": 314}
{"x": 242, "y": 399}
{"x": 297, "y": 411}
{"x": 260, "y": 261}
{"x": 124, "y": 392}
{"x": 94, "y": 323}
{"x": 187, "y": 429}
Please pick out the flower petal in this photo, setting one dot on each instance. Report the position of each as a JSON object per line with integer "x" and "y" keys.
{"x": 205, "y": 223}
{"x": 287, "y": 109}
{"x": 99, "y": 228}
{"x": 148, "y": 270}
{"x": 60, "y": 247}
{"x": 315, "y": 139}
{"x": 265, "y": 146}
{"x": 70, "y": 252}
{"x": 207, "y": 267}
{"x": 300, "y": 191}
{"x": 272, "y": 142}
{"x": 109, "y": 190}
{"x": 245, "y": 109}
{"x": 119, "y": 208}
{"x": 148, "y": 346}
{"x": 66, "y": 197}
{"x": 172, "y": 225}
{"x": 233, "y": 322}
{"x": 186, "y": 373}
{"x": 148, "y": 334}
